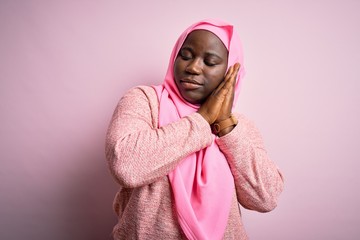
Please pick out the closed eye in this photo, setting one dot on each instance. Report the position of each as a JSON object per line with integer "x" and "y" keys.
{"x": 210, "y": 64}
{"x": 184, "y": 57}
{"x": 212, "y": 60}
{"x": 185, "y": 54}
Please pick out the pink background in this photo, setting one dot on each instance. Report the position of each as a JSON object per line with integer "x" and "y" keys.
{"x": 65, "y": 64}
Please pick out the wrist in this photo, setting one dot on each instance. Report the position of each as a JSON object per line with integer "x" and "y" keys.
{"x": 225, "y": 131}
{"x": 203, "y": 116}
{"x": 220, "y": 119}
{"x": 224, "y": 126}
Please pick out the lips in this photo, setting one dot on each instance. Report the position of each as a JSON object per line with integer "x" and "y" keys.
{"x": 190, "y": 84}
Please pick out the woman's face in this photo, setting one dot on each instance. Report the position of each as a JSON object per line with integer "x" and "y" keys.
{"x": 200, "y": 65}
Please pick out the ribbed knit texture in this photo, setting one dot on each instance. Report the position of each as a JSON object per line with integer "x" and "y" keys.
{"x": 140, "y": 155}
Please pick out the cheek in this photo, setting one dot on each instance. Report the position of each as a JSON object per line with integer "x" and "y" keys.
{"x": 216, "y": 77}
{"x": 177, "y": 68}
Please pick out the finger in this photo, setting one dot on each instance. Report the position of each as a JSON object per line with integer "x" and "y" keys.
{"x": 222, "y": 92}
{"x": 229, "y": 77}
{"x": 234, "y": 73}
{"x": 230, "y": 96}
{"x": 229, "y": 73}
{"x": 222, "y": 83}
{"x": 236, "y": 70}
{"x": 237, "y": 66}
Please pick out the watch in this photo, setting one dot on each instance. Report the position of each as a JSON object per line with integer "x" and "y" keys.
{"x": 219, "y": 126}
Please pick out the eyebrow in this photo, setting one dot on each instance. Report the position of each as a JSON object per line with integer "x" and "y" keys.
{"x": 207, "y": 53}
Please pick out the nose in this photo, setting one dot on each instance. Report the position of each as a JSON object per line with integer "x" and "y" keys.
{"x": 194, "y": 67}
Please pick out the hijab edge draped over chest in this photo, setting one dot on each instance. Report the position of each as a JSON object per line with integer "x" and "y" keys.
{"x": 202, "y": 184}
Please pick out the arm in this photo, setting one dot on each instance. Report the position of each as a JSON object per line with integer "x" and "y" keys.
{"x": 137, "y": 151}
{"x": 258, "y": 181}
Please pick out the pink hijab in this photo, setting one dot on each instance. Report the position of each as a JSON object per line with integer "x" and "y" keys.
{"x": 202, "y": 183}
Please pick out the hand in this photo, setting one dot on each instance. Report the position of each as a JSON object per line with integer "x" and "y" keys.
{"x": 225, "y": 111}
{"x": 212, "y": 108}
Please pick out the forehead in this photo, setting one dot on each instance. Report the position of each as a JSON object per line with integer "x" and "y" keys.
{"x": 205, "y": 40}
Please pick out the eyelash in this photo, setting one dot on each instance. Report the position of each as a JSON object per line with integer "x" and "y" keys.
{"x": 185, "y": 58}
{"x": 210, "y": 64}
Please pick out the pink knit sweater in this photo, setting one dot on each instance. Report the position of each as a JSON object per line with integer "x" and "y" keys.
{"x": 140, "y": 156}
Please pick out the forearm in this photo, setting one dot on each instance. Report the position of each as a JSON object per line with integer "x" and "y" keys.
{"x": 140, "y": 153}
{"x": 257, "y": 179}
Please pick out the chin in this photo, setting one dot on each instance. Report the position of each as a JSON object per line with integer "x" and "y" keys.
{"x": 194, "y": 101}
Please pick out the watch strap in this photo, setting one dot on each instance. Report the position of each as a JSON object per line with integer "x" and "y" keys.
{"x": 219, "y": 126}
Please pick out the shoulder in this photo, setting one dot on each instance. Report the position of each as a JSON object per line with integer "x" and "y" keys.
{"x": 142, "y": 91}
{"x": 143, "y": 95}
{"x": 141, "y": 99}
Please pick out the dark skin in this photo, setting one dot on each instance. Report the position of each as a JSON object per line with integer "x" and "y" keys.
{"x": 199, "y": 72}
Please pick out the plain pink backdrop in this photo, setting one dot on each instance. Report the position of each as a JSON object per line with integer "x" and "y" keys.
{"x": 65, "y": 64}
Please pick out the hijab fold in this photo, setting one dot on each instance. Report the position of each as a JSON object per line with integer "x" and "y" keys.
{"x": 202, "y": 184}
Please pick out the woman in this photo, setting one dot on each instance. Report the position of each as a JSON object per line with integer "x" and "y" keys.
{"x": 182, "y": 158}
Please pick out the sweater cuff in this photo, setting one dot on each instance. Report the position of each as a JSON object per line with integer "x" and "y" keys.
{"x": 237, "y": 137}
{"x": 202, "y": 127}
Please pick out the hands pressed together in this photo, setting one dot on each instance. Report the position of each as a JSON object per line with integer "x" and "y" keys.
{"x": 217, "y": 107}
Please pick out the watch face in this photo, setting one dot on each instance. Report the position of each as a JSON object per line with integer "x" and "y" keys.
{"x": 216, "y": 127}
{"x": 231, "y": 121}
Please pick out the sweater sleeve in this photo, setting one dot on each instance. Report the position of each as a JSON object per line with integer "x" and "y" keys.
{"x": 258, "y": 181}
{"x": 138, "y": 152}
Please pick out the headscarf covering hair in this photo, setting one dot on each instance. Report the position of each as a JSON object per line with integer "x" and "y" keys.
{"x": 202, "y": 183}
